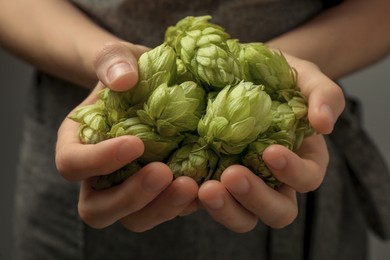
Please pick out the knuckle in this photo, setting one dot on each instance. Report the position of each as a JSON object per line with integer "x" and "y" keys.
{"x": 284, "y": 220}
{"x": 108, "y": 49}
{"x": 62, "y": 165}
{"x": 245, "y": 227}
{"x": 135, "y": 227}
{"x": 111, "y": 51}
{"x": 89, "y": 217}
{"x": 313, "y": 183}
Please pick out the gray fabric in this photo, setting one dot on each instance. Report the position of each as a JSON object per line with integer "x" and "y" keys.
{"x": 330, "y": 224}
{"x": 144, "y": 22}
{"x": 369, "y": 171}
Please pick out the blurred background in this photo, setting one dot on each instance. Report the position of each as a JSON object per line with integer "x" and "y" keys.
{"x": 371, "y": 86}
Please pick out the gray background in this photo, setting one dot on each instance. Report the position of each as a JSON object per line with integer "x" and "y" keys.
{"x": 371, "y": 86}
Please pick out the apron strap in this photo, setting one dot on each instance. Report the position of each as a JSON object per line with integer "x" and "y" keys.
{"x": 369, "y": 170}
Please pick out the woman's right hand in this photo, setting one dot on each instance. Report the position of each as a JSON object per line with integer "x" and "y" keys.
{"x": 147, "y": 198}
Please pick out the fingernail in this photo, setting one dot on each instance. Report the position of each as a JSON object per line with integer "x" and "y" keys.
{"x": 118, "y": 70}
{"x": 277, "y": 163}
{"x": 216, "y": 203}
{"x": 151, "y": 183}
{"x": 241, "y": 186}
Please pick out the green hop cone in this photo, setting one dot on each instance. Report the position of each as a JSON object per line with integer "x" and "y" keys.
{"x": 174, "y": 34}
{"x": 291, "y": 117}
{"x": 194, "y": 91}
{"x": 202, "y": 48}
{"x": 283, "y": 116}
{"x": 157, "y": 147}
{"x": 94, "y": 126}
{"x": 155, "y": 67}
{"x": 299, "y": 105}
{"x": 261, "y": 65}
{"x": 117, "y": 177}
{"x": 175, "y": 109}
{"x": 116, "y": 105}
{"x": 193, "y": 160}
{"x": 235, "y": 118}
{"x": 303, "y": 128}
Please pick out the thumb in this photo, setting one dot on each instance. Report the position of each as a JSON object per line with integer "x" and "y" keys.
{"x": 116, "y": 65}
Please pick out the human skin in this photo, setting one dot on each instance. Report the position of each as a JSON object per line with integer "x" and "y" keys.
{"x": 151, "y": 196}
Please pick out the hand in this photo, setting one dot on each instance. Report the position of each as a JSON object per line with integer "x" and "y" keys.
{"x": 147, "y": 198}
{"x": 240, "y": 199}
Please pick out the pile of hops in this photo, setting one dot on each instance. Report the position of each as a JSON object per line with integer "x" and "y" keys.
{"x": 203, "y": 102}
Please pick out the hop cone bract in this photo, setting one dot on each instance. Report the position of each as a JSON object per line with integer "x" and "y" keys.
{"x": 193, "y": 160}
{"x": 202, "y": 48}
{"x": 155, "y": 67}
{"x": 174, "y": 109}
{"x": 157, "y": 147}
{"x": 235, "y": 118}
{"x": 94, "y": 125}
{"x": 261, "y": 65}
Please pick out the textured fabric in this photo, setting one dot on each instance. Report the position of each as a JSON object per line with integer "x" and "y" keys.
{"x": 144, "y": 22}
{"x": 330, "y": 224}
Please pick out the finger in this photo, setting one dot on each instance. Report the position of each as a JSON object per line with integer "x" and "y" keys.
{"x": 224, "y": 208}
{"x": 325, "y": 97}
{"x": 276, "y": 208}
{"x": 168, "y": 205}
{"x": 325, "y": 106}
{"x": 191, "y": 208}
{"x": 76, "y": 161}
{"x": 116, "y": 65}
{"x": 304, "y": 171}
{"x": 102, "y": 208}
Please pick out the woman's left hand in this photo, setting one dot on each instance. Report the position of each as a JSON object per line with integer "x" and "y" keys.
{"x": 241, "y": 198}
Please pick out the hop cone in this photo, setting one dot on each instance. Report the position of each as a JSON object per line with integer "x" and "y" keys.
{"x": 94, "y": 126}
{"x": 174, "y": 34}
{"x": 193, "y": 160}
{"x": 157, "y": 147}
{"x": 298, "y": 105}
{"x": 116, "y": 105}
{"x": 175, "y": 109}
{"x": 235, "y": 118}
{"x": 291, "y": 117}
{"x": 261, "y": 65}
{"x": 283, "y": 116}
{"x": 155, "y": 67}
{"x": 202, "y": 48}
